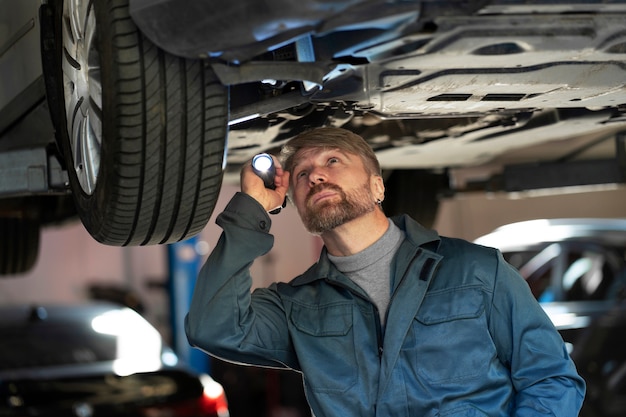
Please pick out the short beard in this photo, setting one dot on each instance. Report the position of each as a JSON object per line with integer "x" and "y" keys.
{"x": 329, "y": 214}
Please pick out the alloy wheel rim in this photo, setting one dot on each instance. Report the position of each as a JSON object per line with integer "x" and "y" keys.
{"x": 82, "y": 89}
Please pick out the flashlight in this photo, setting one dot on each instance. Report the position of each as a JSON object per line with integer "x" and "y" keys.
{"x": 263, "y": 166}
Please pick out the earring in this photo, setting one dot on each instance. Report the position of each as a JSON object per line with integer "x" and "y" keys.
{"x": 379, "y": 202}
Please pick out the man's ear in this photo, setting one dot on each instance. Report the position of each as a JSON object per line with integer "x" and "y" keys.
{"x": 378, "y": 187}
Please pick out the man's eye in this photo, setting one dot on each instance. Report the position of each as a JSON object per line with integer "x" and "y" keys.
{"x": 333, "y": 160}
{"x": 301, "y": 174}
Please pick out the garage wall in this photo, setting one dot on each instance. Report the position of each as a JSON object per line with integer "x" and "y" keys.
{"x": 471, "y": 215}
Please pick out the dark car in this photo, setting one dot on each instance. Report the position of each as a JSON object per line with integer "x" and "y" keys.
{"x": 95, "y": 360}
{"x": 576, "y": 268}
{"x": 130, "y": 113}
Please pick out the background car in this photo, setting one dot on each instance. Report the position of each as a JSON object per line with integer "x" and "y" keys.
{"x": 137, "y": 110}
{"x": 576, "y": 268}
{"x": 95, "y": 360}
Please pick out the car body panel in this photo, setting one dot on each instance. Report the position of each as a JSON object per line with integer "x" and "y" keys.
{"x": 519, "y": 235}
{"x": 179, "y": 27}
{"x": 20, "y": 60}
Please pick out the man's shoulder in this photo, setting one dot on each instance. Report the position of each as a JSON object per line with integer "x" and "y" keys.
{"x": 482, "y": 263}
{"x": 460, "y": 246}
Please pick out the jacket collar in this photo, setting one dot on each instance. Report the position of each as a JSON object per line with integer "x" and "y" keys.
{"x": 416, "y": 235}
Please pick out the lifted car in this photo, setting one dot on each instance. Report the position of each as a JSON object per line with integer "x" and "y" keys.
{"x": 138, "y": 109}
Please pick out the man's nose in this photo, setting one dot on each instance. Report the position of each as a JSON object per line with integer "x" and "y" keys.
{"x": 316, "y": 176}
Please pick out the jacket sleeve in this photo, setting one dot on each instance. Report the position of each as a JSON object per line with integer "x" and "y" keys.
{"x": 224, "y": 318}
{"x": 542, "y": 372}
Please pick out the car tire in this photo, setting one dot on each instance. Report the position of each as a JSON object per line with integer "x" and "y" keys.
{"x": 19, "y": 245}
{"x": 414, "y": 192}
{"x": 143, "y": 131}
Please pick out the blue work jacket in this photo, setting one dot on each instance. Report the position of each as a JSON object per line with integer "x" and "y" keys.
{"x": 463, "y": 336}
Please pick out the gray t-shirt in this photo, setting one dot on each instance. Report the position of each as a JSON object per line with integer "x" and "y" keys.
{"x": 370, "y": 269}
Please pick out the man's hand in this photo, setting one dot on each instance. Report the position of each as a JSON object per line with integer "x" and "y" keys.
{"x": 252, "y": 185}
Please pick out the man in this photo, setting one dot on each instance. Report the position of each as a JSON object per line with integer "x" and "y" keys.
{"x": 393, "y": 320}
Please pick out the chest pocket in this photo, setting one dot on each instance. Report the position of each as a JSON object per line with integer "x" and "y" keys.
{"x": 450, "y": 340}
{"x": 324, "y": 340}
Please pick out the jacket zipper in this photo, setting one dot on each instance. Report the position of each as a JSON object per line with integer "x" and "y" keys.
{"x": 379, "y": 335}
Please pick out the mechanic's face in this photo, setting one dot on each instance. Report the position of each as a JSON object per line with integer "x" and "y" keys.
{"x": 331, "y": 187}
